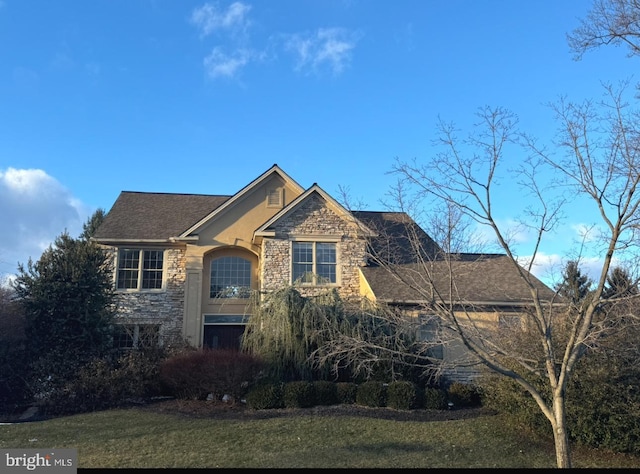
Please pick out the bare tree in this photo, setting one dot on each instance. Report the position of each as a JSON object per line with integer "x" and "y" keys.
{"x": 609, "y": 22}
{"x": 596, "y": 160}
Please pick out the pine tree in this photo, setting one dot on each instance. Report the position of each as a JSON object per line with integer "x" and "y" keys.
{"x": 574, "y": 285}
{"x": 68, "y": 300}
{"x": 619, "y": 284}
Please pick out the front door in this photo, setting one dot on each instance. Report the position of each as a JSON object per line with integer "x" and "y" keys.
{"x": 223, "y": 336}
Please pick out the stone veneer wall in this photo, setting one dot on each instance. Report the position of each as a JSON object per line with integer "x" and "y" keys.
{"x": 313, "y": 218}
{"x": 157, "y": 307}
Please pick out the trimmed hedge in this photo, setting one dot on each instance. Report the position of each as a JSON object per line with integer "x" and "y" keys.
{"x": 266, "y": 396}
{"x": 372, "y": 394}
{"x": 298, "y": 394}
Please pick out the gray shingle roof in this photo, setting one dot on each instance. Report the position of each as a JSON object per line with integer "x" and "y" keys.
{"x": 395, "y": 234}
{"x": 478, "y": 278}
{"x": 139, "y": 215}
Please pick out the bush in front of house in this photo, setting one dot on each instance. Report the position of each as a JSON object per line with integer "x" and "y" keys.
{"x": 371, "y": 393}
{"x": 402, "y": 395}
{"x": 346, "y": 392}
{"x": 298, "y": 394}
{"x": 602, "y": 403}
{"x": 196, "y": 373}
{"x": 435, "y": 398}
{"x": 326, "y": 393}
{"x": 265, "y": 395}
{"x": 464, "y": 395}
{"x": 106, "y": 383}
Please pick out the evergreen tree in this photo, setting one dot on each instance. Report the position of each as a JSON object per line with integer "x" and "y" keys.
{"x": 574, "y": 285}
{"x": 619, "y": 284}
{"x": 68, "y": 300}
{"x": 89, "y": 228}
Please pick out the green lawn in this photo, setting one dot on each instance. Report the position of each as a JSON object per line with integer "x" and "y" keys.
{"x": 137, "y": 438}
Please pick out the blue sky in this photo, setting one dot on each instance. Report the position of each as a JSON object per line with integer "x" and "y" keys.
{"x": 101, "y": 96}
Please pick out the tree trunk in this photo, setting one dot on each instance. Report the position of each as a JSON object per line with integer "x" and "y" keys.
{"x": 560, "y": 434}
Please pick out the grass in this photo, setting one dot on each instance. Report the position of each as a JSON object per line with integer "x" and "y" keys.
{"x": 136, "y": 438}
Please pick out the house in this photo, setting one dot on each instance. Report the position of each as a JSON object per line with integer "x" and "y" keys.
{"x": 185, "y": 264}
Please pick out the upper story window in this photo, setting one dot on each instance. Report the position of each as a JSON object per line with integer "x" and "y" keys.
{"x": 314, "y": 263}
{"x": 230, "y": 278}
{"x": 139, "y": 269}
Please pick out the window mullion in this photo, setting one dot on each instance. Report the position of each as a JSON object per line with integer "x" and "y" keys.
{"x": 140, "y": 269}
{"x": 314, "y": 263}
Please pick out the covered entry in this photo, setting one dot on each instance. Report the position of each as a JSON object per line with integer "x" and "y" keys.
{"x": 223, "y": 332}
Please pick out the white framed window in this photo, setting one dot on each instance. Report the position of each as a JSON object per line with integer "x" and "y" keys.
{"x": 314, "y": 263}
{"x": 230, "y": 277}
{"x": 139, "y": 269}
{"x": 136, "y": 336}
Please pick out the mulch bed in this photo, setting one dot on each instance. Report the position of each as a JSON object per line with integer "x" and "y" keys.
{"x": 221, "y": 410}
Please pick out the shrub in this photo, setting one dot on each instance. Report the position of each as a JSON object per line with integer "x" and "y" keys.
{"x": 464, "y": 395}
{"x": 265, "y": 395}
{"x": 50, "y": 374}
{"x": 106, "y": 383}
{"x": 435, "y": 398}
{"x": 13, "y": 367}
{"x": 194, "y": 374}
{"x": 401, "y": 395}
{"x": 298, "y": 394}
{"x": 508, "y": 397}
{"x": 346, "y": 392}
{"x": 603, "y": 403}
{"x": 326, "y": 392}
{"x": 371, "y": 394}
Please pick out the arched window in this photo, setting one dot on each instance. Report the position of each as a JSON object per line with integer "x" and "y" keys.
{"x": 230, "y": 278}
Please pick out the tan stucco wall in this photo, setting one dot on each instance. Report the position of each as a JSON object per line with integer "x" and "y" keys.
{"x": 231, "y": 232}
{"x": 235, "y": 226}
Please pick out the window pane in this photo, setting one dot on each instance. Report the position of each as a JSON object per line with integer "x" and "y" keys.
{"x": 326, "y": 273}
{"x": 326, "y": 262}
{"x": 128, "y": 267}
{"x": 230, "y": 278}
{"x": 152, "y": 269}
{"x": 302, "y": 262}
{"x": 148, "y": 336}
{"x": 123, "y": 336}
{"x": 302, "y": 273}
{"x": 325, "y": 253}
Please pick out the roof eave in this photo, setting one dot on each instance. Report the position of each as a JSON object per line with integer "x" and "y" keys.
{"x": 136, "y": 241}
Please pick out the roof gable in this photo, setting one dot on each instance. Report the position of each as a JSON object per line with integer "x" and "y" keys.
{"x": 267, "y": 228}
{"x": 275, "y": 169}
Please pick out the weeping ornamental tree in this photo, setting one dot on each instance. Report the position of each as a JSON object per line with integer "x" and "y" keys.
{"x": 326, "y": 337}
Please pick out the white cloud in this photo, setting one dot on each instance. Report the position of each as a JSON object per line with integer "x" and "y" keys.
{"x": 219, "y": 64}
{"x": 330, "y": 48}
{"x": 34, "y": 209}
{"x": 546, "y": 267}
{"x": 210, "y": 18}
{"x": 327, "y": 46}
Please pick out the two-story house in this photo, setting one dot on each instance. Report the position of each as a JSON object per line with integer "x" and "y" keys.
{"x": 186, "y": 264}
